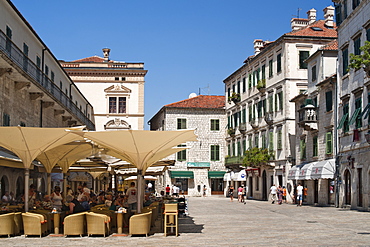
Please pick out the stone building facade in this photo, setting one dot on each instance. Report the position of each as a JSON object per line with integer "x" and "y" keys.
{"x": 315, "y": 131}
{"x": 115, "y": 89}
{"x": 259, "y": 112}
{"x": 202, "y": 164}
{"x": 353, "y": 20}
{"x": 35, "y": 92}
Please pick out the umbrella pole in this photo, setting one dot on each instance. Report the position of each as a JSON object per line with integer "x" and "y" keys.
{"x": 64, "y": 185}
{"x": 26, "y": 188}
{"x": 49, "y": 183}
{"x": 140, "y": 190}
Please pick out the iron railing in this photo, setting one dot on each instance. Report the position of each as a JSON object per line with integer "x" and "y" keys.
{"x": 23, "y": 62}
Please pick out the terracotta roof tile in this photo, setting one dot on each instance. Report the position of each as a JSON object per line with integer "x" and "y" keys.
{"x": 332, "y": 46}
{"x": 309, "y": 32}
{"x": 201, "y": 101}
{"x": 93, "y": 59}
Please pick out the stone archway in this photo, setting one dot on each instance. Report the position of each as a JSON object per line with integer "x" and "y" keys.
{"x": 4, "y": 185}
{"x": 347, "y": 187}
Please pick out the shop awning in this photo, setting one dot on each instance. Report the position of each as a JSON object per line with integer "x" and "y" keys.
{"x": 227, "y": 177}
{"x": 323, "y": 169}
{"x": 293, "y": 173}
{"x": 240, "y": 176}
{"x": 305, "y": 171}
{"x": 182, "y": 174}
{"x": 216, "y": 174}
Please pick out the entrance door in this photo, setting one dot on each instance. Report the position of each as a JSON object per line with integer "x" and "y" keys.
{"x": 250, "y": 189}
{"x": 347, "y": 188}
{"x": 316, "y": 191}
{"x": 264, "y": 186}
{"x": 359, "y": 178}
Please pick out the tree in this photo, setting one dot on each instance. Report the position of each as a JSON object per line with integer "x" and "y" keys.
{"x": 256, "y": 157}
{"x": 362, "y": 60}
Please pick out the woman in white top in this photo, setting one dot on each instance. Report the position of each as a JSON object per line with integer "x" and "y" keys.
{"x": 56, "y": 199}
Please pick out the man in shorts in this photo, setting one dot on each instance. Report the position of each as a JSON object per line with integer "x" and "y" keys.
{"x": 299, "y": 194}
{"x": 273, "y": 191}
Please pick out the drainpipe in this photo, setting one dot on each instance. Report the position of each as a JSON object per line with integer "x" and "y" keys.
{"x": 41, "y": 113}
{"x": 335, "y": 132}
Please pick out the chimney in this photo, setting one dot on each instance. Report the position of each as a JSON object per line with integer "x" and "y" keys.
{"x": 106, "y": 54}
{"x": 298, "y": 23}
{"x": 258, "y": 44}
{"x": 311, "y": 16}
{"x": 329, "y": 16}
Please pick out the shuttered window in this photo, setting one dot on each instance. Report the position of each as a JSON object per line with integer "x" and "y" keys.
{"x": 279, "y": 140}
{"x": 329, "y": 100}
{"x": 315, "y": 147}
{"x": 271, "y": 141}
{"x": 344, "y": 61}
{"x": 329, "y": 142}
{"x": 271, "y": 70}
{"x": 357, "y": 45}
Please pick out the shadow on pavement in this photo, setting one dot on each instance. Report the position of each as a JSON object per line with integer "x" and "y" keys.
{"x": 187, "y": 225}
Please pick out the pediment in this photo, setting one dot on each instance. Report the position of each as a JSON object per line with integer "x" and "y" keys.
{"x": 117, "y": 89}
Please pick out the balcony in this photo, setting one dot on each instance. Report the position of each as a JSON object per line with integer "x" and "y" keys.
{"x": 16, "y": 58}
{"x": 308, "y": 117}
{"x": 269, "y": 118}
{"x": 254, "y": 123}
{"x": 242, "y": 128}
{"x": 231, "y": 132}
{"x": 234, "y": 160}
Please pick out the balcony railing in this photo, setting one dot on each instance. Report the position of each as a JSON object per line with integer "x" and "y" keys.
{"x": 23, "y": 62}
{"x": 307, "y": 115}
{"x": 234, "y": 160}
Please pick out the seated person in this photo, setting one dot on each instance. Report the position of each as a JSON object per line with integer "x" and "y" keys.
{"x": 108, "y": 200}
{"x": 84, "y": 203}
{"x": 101, "y": 198}
{"x": 46, "y": 203}
{"x": 72, "y": 206}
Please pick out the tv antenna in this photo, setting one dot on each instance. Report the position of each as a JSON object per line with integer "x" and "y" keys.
{"x": 208, "y": 89}
{"x": 299, "y": 9}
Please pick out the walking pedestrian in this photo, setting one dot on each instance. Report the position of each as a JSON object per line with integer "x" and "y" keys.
{"x": 168, "y": 189}
{"x": 273, "y": 191}
{"x": 299, "y": 194}
{"x": 284, "y": 194}
{"x": 240, "y": 193}
{"x": 204, "y": 190}
{"x": 280, "y": 194}
{"x": 231, "y": 192}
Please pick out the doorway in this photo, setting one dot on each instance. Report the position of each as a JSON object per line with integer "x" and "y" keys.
{"x": 264, "y": 186}
{"x": 359, "y": 179}
{"x": 347, "y": 187}
{"x": 250, "y": 189}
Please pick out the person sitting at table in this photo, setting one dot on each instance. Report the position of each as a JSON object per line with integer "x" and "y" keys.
{"x": 117, "y": 203}
{"x": 46, "y": 203}
{"x": 31, "y": 197}
{"x": 6, "y": 197}
{"x": 108, "y": 200}
{"x": 72, "y": 206}
{"x": 101, "y": 198}
{"x": 85, "y": 203}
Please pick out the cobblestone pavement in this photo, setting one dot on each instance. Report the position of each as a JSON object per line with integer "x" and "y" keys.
{"x": 215, "y": 221}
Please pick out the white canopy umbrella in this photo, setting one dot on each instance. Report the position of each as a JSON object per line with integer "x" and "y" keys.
{"x": 141, "y": 148}
{"x": 29, "y": 142}
{"x": 145, "y": 178}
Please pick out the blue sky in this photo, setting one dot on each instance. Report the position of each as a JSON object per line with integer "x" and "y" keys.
{"x": 186, "y": 45}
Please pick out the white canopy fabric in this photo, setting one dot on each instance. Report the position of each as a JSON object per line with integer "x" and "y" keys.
{"x": 305, "y": 171}
{"x": 141, "y": 148}
{"x": 323, "y": 169}
{"x": 145, "y": 178}
{"x": 227, "y": 177}
{"x": 293, "y": 173}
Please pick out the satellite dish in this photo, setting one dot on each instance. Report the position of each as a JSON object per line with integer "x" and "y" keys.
{"x": 192, "y": 95}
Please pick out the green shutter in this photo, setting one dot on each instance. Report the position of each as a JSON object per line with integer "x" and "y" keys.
{"x": 354, "y": 116}
{"x": 365, "y": 113}
{"x": 279, "y": 140}
{"x": 281, "y": 103}
{"x": 329, "y": 142}
{"x": 341, "y": 122}
{"x": 271, "y": 141}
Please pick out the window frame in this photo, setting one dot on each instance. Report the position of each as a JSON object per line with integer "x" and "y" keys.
{"x": 303, "y": 55}
{"x": 215, "y": 124}
{"x": 180, "y": 123}
{"x": 215, "y": 152}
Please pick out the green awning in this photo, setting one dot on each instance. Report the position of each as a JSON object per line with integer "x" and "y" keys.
{"x": 341, "y": 122}
{"x": 354, "y": 116}
{"x": 216, "y": 174}
{"x": 182, "y": 174}
{"x": 366, "y": 111}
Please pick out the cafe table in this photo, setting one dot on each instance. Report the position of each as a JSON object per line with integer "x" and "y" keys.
{"x": 119, "y": 214}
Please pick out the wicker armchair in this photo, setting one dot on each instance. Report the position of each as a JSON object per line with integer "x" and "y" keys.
{"x": 140, "y": 223}
{"x": 75, "y": 224}
{"x": 34, "y": 224}
{"x": 7, "y": 224}
{"x": 97, "y": 224}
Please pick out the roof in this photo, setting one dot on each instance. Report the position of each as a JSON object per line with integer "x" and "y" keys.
{"x": 332, "y": 46}
{"x": 93, "y": 59}
{"x": 307, "y": 31}
{"x": 201, "y": 101}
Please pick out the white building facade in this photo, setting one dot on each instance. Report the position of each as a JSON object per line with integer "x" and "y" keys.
{"x": 353, "y": 20}
{"x": 35, "y": 92}
{"x": 115, "y": 89}
{"x": 315, "y": 131}
{"x": 262, "y": 116}
{"x": 202, "y": 164}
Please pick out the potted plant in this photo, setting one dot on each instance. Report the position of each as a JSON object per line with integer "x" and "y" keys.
{"x": 257, "y": 157}
{"x": 235, "y": 97}
{"x": 261, "y": 85}
{"x": 362, "y": 60}
{"x": 231, "y": 132}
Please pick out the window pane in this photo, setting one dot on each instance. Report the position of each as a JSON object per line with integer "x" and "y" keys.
{"x": 345, "y": 61}
{"x": 122, "y": 105}
{"x": 278, "y": 63}
{"x": 270, "y": 68}
{"x": 303, "y": 55}
{"x": 181, "y": 123}
{"x": 112, "y": 105}
{"x": 313, "y": 73}
{"x": 357, "y": 45}
{"x": 181, "y": 156}
{"x": 215, "y": 124}
{"x": 329, "y": 101}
